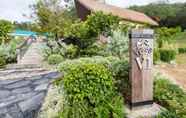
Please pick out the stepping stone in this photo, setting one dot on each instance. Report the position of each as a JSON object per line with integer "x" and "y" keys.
{"x": 42, "y": 87}
{"x": 22, "y": 91}
{"x": 18, "y": 84}
{"x": 32, "y": 103}
{"x": 4, "y": 93}
{"x": 15, "y": 112}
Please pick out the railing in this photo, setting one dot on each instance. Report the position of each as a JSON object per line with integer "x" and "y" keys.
{"x": 22, "y": 48}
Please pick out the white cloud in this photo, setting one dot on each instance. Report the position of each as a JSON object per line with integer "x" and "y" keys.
{"x": 14, "y": 9}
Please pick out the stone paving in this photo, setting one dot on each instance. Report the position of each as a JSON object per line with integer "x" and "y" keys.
{"x": 34, "y": 54}
{"x": 22, "y": 90}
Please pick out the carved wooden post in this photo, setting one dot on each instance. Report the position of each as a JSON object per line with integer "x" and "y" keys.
{"x": 141, "y": 61}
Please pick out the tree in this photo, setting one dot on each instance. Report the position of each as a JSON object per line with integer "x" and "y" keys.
{"x": 169, "y": 15}
{"x": 85, "y": 33}
{"x": 5, "y": 28}
{"x": 25, "y": 26}
{"x": 52, "y": 16}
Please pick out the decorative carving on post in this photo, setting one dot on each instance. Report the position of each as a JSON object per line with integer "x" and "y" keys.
{"x": 141, "y": 61}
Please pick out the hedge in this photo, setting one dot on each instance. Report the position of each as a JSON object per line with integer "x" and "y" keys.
{"x": 167, "y": 55}
{"x": 182, "y": 50}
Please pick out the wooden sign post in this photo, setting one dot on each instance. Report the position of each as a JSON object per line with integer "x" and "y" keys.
{"x": 141, "y": 61}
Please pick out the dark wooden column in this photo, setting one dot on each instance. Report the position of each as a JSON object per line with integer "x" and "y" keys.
{"x": 141, "y": 61}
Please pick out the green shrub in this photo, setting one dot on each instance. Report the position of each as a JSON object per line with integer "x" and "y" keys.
{"x": 2, "y": 61}
{"x": 66, "y": 65}
{"x": 55, "y": 59}
{"x": 71, "y": 51}
{"x": 156, "y": 56}
{"x": 90, "y": 91}
{"x": 165, "y": 34}
{"x": 86, "y": 32}
{"x": 52, "y": 48}
{"x": 8, "y": 50}
{"x": 168, "y": 32}
{"x": 120, "y": 72}
{"x": 119, "y": 68}
{"x": 170, "y": 96}
{"x": 98, "y": 22}
{"x": 93, "y": 50}
{"x": 167, "y": 114}
{"x": 167, "y": 55}
{"x": 182, "y": 50}
{"x": 119, "y": 44}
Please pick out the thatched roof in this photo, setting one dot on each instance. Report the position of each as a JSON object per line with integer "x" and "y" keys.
{"x": 123, "y": 13}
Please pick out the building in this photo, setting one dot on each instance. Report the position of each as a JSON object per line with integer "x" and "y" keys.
{"x": 85, "y": 7}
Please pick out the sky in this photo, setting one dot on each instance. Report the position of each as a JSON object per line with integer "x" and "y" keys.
{"x": 13, "y": 10}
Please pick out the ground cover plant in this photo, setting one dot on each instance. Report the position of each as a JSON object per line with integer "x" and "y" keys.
{"x": 170, "y": 96}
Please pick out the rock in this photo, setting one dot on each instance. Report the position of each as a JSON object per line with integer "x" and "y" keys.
{"x": 8, "y": 103}
{"x": 41, "y": 81}
{"x": 22, "y": 90}
{"x": 32, "y": 103}
{"x": 5, "y": 116}
{"x": 8, "y": 99}
{"x": 3, "y": 111}
{"x": 35, "y": 77}
{"x": 15, "y": 112}
{"x": 18, "y": 84}
{"x": 42, "y": 87}
{"x": 26, "y": 95}
{"x": 4, "y": 93}
{"x": 5, "y": 82}
{"x": 53, "y": 75}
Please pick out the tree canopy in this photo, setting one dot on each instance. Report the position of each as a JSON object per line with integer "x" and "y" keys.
{"x": 5, "y": 28}
{"x": 170, "y": 15}
{"x": 53, "y": 15}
